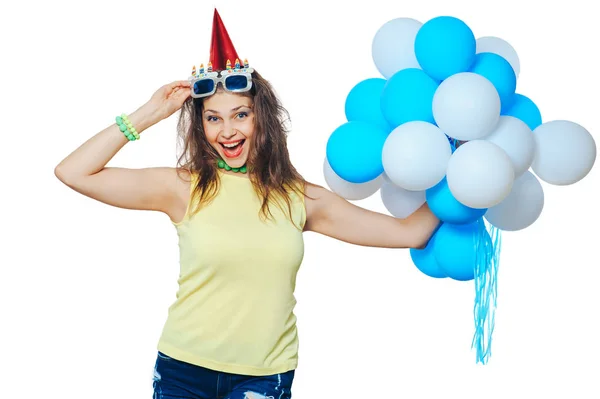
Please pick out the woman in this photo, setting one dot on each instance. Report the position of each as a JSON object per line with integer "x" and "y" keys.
{"x": 240, "y": 209}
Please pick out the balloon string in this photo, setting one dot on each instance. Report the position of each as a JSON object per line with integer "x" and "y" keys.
{"x": 453, "y": 143}
{"x": 487, "y": 249}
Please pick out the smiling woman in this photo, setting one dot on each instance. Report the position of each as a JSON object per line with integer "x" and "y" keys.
{"x": 222, "y": 339}
{"x": 229, "y": 127}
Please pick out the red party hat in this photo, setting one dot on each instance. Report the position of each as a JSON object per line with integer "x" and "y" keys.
{"x": 221, "y": 47}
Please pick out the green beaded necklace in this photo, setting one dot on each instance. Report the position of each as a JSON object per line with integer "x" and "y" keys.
{"x": 223, "y": 165}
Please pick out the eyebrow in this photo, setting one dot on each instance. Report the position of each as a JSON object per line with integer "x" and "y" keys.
{"x": 232, "y": 110}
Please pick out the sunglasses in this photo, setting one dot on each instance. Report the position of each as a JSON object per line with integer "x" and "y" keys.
{"x": 235, "y": 82}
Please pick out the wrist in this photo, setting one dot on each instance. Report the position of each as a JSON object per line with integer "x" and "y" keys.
{"x": 143, "y": 118}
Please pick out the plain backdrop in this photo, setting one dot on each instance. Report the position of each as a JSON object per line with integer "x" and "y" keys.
{"x": 85, "y": 287}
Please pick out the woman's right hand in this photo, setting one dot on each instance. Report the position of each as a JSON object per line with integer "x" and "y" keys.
{"x": 168, "y": 99}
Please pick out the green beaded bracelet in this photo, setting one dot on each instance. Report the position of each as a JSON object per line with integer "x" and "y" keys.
{"x": 130, "y": 126}
{"x": 127, "y": 128}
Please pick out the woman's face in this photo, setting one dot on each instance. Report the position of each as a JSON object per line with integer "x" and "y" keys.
{"x": 228, "y": 122}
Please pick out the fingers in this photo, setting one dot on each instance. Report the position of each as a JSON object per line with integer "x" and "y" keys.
{"x": 174, "y": 89}
{"x": 179, "y": 93}
{"x": 179, "y": 83}
{"x": 183, "y": 95}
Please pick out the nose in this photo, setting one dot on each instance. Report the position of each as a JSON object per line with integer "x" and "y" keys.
{"x": 228, "y": 131}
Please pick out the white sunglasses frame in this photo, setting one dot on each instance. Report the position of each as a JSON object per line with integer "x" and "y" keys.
{"x": 220, "y": 77}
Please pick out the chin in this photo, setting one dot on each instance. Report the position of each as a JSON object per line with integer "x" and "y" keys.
{"x": 236, "y": 162}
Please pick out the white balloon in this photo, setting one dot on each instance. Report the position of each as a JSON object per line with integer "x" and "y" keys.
{"x": 466, "y": 106}
{"x": 565, "y": 152}
{"x": 348, "y": 190}
{"x": 415, "y": 155}
{"x": 516, "y": 139}
{"x": 480, "y": 174}
{"x": 393, "y": 47}
{"x": 521, "y": 208}
{"x": 386, "y": 179}
{"x": 491, "y": 44}
{"x": 399, "y": 202}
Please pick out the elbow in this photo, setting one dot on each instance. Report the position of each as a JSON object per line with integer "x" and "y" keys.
{"x": 60, "y": 174}
{"x": 65, "y": 176}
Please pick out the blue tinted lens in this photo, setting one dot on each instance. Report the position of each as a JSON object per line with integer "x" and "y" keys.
{"x": 204, "y": 86}
{"x": 236, "y": 82}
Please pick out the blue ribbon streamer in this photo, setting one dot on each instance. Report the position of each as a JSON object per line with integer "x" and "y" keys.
{"x": 487, "y": 249}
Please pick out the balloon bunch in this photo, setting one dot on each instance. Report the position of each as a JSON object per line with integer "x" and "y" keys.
{"x": 445, "y": 125}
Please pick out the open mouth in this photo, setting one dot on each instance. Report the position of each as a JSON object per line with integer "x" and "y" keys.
{"x": 233, "y": 149}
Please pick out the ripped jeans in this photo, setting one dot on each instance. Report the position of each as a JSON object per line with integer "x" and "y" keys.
{"x": 174, "y": 379}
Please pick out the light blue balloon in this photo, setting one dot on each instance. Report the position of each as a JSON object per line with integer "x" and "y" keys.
{"x": 445, "y": 46}
{"x": 408, "y": 96}
{"x": 455, "y": 248}
{"x": 354, "y": 151}
{"x": 447, "y": 208}
{"x": 524, "y": 109}
{"x": 497, "y": 70}
{"x": 362, "y": 103}
{"x": 424, "y": 260}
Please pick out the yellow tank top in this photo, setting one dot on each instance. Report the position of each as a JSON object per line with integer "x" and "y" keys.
{"x": 234, "y": 308}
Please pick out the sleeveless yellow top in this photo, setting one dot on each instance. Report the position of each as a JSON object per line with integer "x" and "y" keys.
{"x": 234, "y": 308}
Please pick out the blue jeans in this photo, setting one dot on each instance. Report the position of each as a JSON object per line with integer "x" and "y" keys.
{"x": 174, "y": 379}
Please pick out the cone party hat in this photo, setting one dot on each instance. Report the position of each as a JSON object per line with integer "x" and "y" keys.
{"x": 221, "y": 47}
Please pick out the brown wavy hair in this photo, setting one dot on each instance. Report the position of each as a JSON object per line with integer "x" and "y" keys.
{"x": 271, "y": 172}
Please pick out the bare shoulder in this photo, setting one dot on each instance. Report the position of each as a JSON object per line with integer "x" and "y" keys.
{"x": 175, "y": 180}
{"x": 314, "y": 191}
{"x": 182, "y": 177}
{"x": 316, "y": 197}
{"x": 181, "y": 185}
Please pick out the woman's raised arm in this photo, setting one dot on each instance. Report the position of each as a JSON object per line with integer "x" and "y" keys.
{"x": 85, "y": 171}
{"x": 329, "y": 214}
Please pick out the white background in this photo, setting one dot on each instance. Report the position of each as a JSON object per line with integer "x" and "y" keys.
{"x": 84, "y": 287}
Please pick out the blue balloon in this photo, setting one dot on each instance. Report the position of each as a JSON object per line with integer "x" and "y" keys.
{"x": 424, "y": 260}
{"x": 362, "y": 103}
{"x": 455, "y": 248}
{"x": 445, "y": 46}
{"x": 354, "y": 151}
{"x": 447, "y": 208}
{"x": 408, "y": 96}
{"x": 498, "y": 71}
{"x": 526, "y": 110}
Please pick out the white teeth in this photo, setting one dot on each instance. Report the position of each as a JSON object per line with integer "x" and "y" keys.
{"x": 232, "y": 144}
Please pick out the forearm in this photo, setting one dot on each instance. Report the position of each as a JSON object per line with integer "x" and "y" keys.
{"x": 93, "y": 155}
